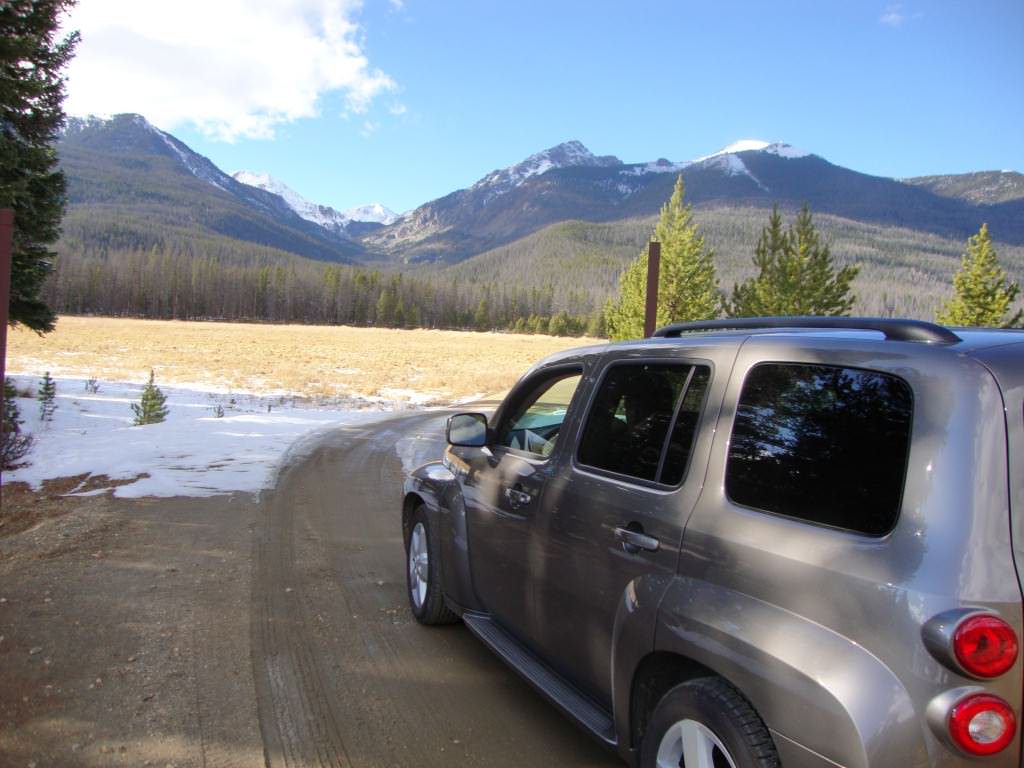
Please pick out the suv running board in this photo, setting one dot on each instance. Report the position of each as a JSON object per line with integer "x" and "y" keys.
{"x": 592, "y": 717}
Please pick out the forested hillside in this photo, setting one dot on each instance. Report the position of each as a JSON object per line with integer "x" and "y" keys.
{"x": 132, "y": 185}
{"x": 979, "y": 187}
{"x": 903, "y": 272}
{"x": 567, "y": 269}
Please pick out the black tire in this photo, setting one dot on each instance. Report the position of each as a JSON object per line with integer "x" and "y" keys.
{"x": 425, "y": 601}
{"x": 721, "y": 709}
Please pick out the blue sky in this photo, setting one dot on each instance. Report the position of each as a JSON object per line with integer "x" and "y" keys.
{"x": 404, "y": 101}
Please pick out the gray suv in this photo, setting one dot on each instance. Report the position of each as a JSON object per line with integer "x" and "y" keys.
{"x": 748, "y": 542}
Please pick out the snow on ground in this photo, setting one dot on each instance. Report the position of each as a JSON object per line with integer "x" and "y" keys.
{"x": 193, "y": 453}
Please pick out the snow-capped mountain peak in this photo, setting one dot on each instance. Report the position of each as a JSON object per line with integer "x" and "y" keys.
{"x": 757, "y": 145}
{"x": 324, "y": 215}
{"x": 565, "y": 155}
{"x": 374, "y": 213}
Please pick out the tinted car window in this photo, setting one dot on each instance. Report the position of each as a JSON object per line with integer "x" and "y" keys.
{"x": 680, "y": 445}
{"x": 533, "y": 426}
{"x": 635, "y": 409}
{"x": 821, "y": 443}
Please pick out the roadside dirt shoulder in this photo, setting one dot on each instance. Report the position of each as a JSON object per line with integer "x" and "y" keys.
{"x": 124, "y": 631}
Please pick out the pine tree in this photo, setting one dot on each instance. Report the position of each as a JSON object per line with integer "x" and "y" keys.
{"x": 31, "y": 113}
{"x": 151, "y": 408}
{"x": 595, "y": 325}
{"x": 559, "y": 324}
{"x": 749, "y": 298}
{"x": 982, "y": 293}
{"x": 687, "y": 286}
{"x": 482, "y": 316}
{"x": 14, "y": 444}
{"x": 47, "y": 397}
{"x": 795, "y": 276}
{"x": 385, "y": 308}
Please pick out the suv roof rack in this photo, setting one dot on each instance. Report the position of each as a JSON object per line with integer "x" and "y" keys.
{"x": 894, "y": 330}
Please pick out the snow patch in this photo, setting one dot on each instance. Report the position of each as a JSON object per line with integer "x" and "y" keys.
{"x": 658, "y": 166}
{"x": 193, "y": 452}
{"x": 731, "y": 165}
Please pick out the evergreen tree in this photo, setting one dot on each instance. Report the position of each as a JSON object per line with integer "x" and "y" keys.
{"x": 14, "y": 444}
{"x": 749, "y": 298}
{"x": 151, "y": 408}
{"x": 31, "y": 113}
{"x": 47, "y": 397}
{"x": 385, "y": 308}
{"x": 482, "y": 316}
{"x": 559, "y": 325}
{"x": 595, "y": 325}
{"x": 795, "y": 276}
{"x": 982, "y": 293}
{"x": 687, "y": 286}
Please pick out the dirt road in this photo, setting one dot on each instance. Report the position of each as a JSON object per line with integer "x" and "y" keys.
{"x": 236, "y": 632}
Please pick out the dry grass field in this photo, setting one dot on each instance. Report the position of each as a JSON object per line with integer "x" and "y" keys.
{"x": 310, "y": 361}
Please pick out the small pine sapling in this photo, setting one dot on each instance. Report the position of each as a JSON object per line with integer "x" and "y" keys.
{"x": 92, "y": 386}
{"x": 218, "y": 411}
{"x": 47, "y": 397}
{"x": 14, "y": 444}
{"x": 151, "y": 408}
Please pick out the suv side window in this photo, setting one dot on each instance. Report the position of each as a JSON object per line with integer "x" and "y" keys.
{"x": 534, "y": 423}
{"x": 821, "y": 443}
{"x": 643, "y": 419}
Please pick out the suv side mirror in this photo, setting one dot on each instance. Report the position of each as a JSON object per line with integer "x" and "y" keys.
{"x": 467, "y": 429}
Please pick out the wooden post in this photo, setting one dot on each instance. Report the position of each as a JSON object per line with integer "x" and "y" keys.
{"x": 653, "y": 270}
{"x": 6, "y": 234}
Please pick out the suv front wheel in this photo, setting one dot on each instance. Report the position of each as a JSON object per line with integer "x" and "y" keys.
{"x": 706, "y": 723}
{"x": 423, "y": 572}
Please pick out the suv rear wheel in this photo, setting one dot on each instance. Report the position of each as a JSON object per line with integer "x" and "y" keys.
{"x": 423, "y": 572}
{"x": 706, "y": 723}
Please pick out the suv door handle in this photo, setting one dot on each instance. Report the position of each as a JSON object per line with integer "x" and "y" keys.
{"x": 634, "y": 541}
{"x": 517, "y": 499}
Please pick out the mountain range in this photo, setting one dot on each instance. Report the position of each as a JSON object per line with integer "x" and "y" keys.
{"x": 132, "y": 185}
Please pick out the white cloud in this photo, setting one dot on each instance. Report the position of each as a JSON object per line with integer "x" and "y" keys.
{"x": 369, "y": 128}
{"x": 896, "y": 16}
{"x": 893, "y": 16}
{"x": 230, "y": 67}
{"x": 397, "y": 109}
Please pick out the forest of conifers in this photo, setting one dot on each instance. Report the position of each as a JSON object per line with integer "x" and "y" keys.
{"x": 553, "y": 281}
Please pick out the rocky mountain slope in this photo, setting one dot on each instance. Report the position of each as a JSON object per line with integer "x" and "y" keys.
{"x": 128, "y": 181}
{"x": 567, "y": 182}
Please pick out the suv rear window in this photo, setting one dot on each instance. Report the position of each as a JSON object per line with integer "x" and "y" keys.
{"x": 643, "y": 420}
{"x": 823, "y": 444}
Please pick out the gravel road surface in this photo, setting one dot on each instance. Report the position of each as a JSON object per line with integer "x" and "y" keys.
{"x": 241, "y": 632}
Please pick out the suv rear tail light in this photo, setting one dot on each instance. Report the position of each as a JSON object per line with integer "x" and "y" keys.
{"x": 982, "y": 724}
{"x": 985, "y": 646}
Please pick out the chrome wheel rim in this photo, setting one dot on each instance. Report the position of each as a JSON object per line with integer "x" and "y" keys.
{"x": 692, "y": 745}
{"x": 419, "y": 563}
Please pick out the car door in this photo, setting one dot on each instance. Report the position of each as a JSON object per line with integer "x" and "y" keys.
{"x": 502, "y": 488}
{"x": 613, "y": 516}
